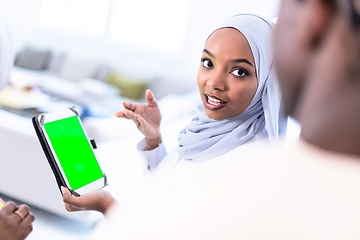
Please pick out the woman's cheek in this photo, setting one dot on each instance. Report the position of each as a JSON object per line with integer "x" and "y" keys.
{"x": 201, "y": 80}
{"x": 201, "y": 85}
{"x": 245, "y": 93}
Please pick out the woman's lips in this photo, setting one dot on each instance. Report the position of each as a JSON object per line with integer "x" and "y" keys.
{"x": 213, "y": 103}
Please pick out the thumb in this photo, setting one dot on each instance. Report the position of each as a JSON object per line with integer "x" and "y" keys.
{"x": 150, "y": 98}
{"x": 66, "y": 194}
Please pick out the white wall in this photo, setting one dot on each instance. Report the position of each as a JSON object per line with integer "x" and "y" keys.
{"x": 177, "y": 72}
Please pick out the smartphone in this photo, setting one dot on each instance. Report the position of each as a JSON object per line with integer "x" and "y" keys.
{"x": 69, "y": 151}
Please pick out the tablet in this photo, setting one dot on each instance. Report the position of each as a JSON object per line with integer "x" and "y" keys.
{"x": 69, "y": 151}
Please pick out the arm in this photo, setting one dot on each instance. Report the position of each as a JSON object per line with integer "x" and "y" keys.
{"x": 15, "y": 222}
{"x": 146, "y": 117}
{"x": 99, "y": 200}
{"x": 153, "y": 157}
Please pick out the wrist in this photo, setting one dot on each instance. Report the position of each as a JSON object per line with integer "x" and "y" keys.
{"x": 152, "y": 143}
{"x": 108, "y": 202}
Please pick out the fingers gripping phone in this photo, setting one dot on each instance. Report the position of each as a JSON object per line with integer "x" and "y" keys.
{"x": 69, "y": 151}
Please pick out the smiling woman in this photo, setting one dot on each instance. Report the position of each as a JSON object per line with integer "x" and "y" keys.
{"x": 241, "y": 106}
{"x": 241, "y": 99}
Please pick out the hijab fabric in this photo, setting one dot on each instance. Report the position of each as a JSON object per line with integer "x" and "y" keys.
{"x": 205, "y": 138}
{"x": 6, "y": 55}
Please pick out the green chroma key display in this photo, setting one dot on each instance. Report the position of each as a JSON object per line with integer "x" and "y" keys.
{"x": 73, "y": 151}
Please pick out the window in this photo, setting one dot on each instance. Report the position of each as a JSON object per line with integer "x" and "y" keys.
{"x": 155, "y": 24}
{"x": 84, "y": 16}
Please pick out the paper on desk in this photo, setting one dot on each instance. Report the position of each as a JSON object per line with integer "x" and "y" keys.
{"x": 20, "y": 79}
{"x": 2, "y": 203}
{"x": 22, "y": 98}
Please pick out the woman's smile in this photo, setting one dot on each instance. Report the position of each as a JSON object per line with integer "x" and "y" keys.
{"x": 213, "y": 103}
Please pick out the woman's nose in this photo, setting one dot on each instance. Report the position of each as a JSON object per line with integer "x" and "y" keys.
{"x": 217, "y": 81}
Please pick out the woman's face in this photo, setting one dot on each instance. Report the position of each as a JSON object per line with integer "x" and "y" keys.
{"x": 227, "y": 76}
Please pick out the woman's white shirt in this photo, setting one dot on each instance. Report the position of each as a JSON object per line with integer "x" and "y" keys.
{"x": 153, "y": 157}
{"x": 158, "y": 160}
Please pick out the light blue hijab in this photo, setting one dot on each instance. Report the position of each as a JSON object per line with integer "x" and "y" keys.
{"x": 205, "y": 138}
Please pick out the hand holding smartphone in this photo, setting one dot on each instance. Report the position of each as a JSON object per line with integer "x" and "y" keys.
{"x": 69, "y": 151}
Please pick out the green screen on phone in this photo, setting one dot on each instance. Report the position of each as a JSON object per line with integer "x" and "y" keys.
{"x": 73, "y": 151}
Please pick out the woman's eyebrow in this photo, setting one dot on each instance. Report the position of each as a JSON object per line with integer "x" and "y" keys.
{"x": 241, "y": 60}
{"x": 208, "y": 53}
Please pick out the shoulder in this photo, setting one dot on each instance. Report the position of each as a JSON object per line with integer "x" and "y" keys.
{"x": 277, "y": 190}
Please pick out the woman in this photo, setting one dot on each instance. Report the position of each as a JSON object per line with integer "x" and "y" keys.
{"x": 238, "y": 91}
{"x": 240, "y": 97}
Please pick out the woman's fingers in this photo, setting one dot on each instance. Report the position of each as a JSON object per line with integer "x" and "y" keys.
{"x": 68, "y": 208}
{"x": 89, "y": 201}
{"x": 69, "y": 199}
{"x": 16, "y": 221}
{"x": 133, "y": 116}
{"x": 29, "y": 219}
{"x": 71, "y": 208}
{"x": 130, "y": 106}
{"x": 27, "y": 231}
{"x": 150, "y": 98}
{"x": 66, "y": 194}
{"x": 142, "y": 122}
{"x": 138, "y": 120}
{"x": 72, "y": 203}
{"x": 26, "y": 224}
{"x": 121, "y": 115}
{"x": 24, "y": 210}
{"x": 21, "y": 213}
{"x": 9, "y": 208}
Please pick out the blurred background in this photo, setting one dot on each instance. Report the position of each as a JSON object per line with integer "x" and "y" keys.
{"x": 95, "y": 54}
{"x": 157, "y": 40}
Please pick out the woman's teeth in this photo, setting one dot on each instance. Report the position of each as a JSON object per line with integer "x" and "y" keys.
{"x": 214, "y": 101}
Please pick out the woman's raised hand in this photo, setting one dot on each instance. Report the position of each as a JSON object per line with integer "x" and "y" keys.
{"x": 146, "y": 117}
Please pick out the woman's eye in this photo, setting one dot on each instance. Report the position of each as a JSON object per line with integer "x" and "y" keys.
{"x": 239, "y": 73}
{"x": 207, "y": 63}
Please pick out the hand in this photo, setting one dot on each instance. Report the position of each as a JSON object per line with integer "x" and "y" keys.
{"x": 146, "y": 117}
{"x": 99, "y": 200}
{"x": 15, "y": 222}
